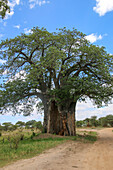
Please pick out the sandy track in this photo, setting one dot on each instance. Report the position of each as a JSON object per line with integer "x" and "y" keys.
{"x": 100, "y": 155}
{"x": 73, "y": 155}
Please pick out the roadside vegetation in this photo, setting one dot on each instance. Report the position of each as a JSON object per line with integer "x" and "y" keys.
{"x": 27, "y": 141}
{"x": 13, "y": 147}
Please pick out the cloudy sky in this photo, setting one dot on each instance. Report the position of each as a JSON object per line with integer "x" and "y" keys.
{"x": 92, "y": 17}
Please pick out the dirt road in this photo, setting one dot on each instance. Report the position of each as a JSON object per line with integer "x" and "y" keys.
{"x": 100, "y": 155}
{"x": 73, "y": 155}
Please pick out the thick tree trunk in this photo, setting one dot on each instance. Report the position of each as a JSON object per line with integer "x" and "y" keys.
{"x": 61, "y": 120}
{"x": 54, "y": 120}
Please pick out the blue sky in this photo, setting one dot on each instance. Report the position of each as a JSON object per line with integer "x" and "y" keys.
{"x": 92, "y": 17}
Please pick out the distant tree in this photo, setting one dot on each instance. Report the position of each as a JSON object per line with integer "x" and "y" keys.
{"x": 80, "y": 123}
{"x": 14, "y": 127}
{"x": 7, "y": 126}
{"x": 93, "y": 121}
{"x": 103, "y": 121}
{"x": 109, "y": 119}
{"x": 38, "y": 125}
{"x": 87, "y": 122}
{"x": 30, "y": 123}
{"x": 20, "y": 124}
{"x": 4, "y": 8}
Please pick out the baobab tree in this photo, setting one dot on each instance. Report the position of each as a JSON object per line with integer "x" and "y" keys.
{"x": 58, "y": 68}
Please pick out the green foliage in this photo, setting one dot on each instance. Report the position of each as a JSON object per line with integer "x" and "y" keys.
{"x": 109, "y": 119}
{"x": 14, "y": 140}
{"x": 33, "y": 134}
{"x": 61, "y": 66}
{"x": 94, "y": 122}
{"x": 4, "y": 8}
{"x": 20, "y": 124}
{"x": 30, "y": 123}
{"x": 14, "y": 149}
{"x": 7, "y": 126}
{"x": 26, "y": 148}
{"x": 38, "y": 125}
{"x": 80, "y": 123}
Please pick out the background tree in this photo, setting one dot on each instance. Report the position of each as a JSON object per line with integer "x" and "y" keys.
{"x": 30, "y": 123}
{"x": 20, "y": 124}
{"x": 87, "y": 122}
{"x": 80, "y": 123}
{"x": 103, "y": 121}
{"x": 109, "y": 119}
{"x": 38, "y": 125}
{"x": 59, "y": 68}
{"x": 4, "y": 8}
{"x": 7, "y": 126}
{"x": 94, "y": 121}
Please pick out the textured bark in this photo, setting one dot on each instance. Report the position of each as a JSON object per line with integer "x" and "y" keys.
{"x": 61, "y": 120}
{"x": 71, "y": 119}
{"x": 45, "y": 102}
{"x": 54, "y": 120}
{"x": 45, "y": 124}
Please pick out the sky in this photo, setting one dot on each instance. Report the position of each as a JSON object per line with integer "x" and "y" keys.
{"x": 92, "y": 17}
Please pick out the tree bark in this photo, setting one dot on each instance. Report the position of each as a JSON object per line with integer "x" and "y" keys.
{"x": 54, "y": 120}
{"x": 45, "y": 102}
{"x": 61, "y": 120}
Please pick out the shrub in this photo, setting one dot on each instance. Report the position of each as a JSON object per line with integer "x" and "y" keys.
{"x": 14, "y": 140}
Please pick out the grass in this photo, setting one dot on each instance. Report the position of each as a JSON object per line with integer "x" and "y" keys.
{"x": 28, "y": 147}
{"x": 87, "y": 136}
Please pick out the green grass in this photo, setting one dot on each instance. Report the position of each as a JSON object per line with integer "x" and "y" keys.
{"x": 90, "y": 136}
{"x": 28, "y": 147}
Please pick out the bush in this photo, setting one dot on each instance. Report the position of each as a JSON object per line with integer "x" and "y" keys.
{"x": 14, "y": 140}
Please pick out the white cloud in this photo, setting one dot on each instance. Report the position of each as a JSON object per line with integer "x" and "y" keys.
{"x": 33, "y": 3}
{"x": 103, "y": 6}
{"x": 17, "y": 26}
{"x": 20, "y": 75}
{"x": 86, "y": 110}
{"x": 93, "y": 37}
{"x": 12, "y": 4}
{"x": 27, "y": 31}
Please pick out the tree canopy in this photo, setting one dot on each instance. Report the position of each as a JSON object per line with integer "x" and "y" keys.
{"x": 58, "y": 68}
{"x": 62, "y": 65}
{"x": 4, "y": 8}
